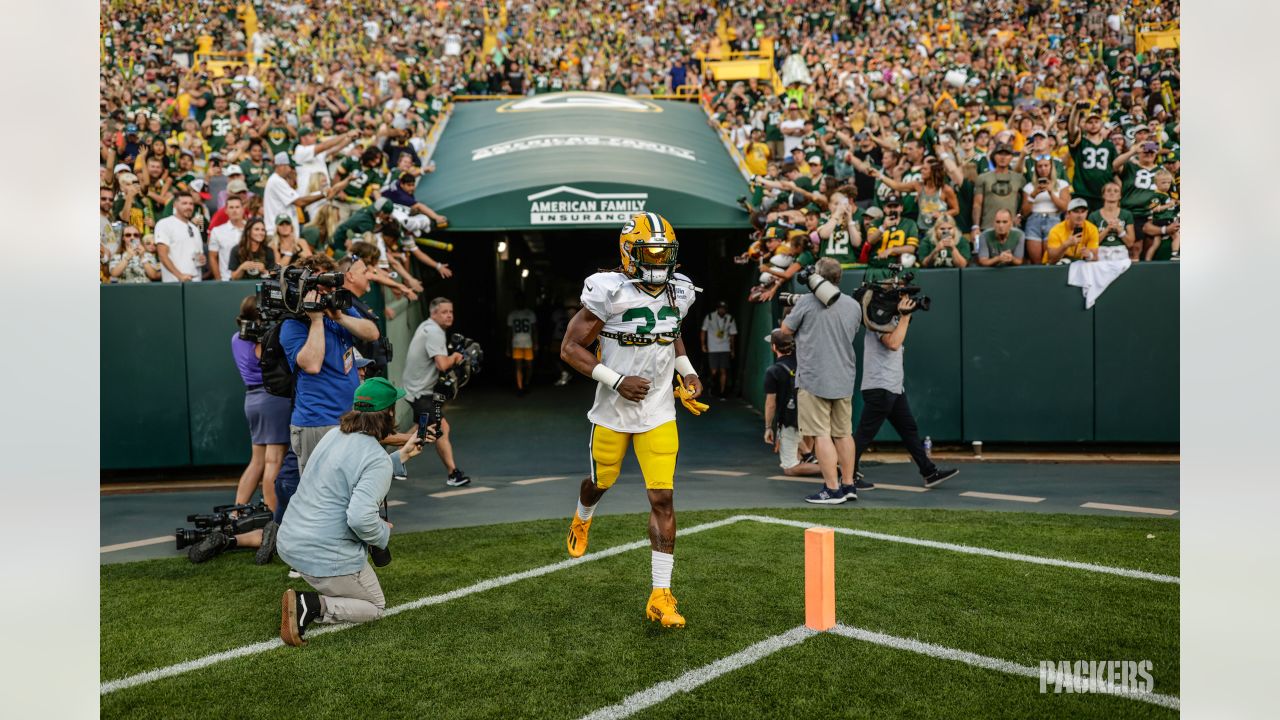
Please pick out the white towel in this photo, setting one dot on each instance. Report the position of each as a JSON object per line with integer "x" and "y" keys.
{"x": 1094, "y": 277}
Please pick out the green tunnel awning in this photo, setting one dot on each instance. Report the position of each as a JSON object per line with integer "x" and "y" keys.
{"x": 578, "y": 159}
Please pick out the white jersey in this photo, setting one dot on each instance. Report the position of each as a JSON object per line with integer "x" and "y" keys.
{"x": 626, "y": 309}
{"x": 521, "y": 323}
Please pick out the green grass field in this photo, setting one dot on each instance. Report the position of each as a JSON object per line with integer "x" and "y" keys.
{"x": 573, "y": 641}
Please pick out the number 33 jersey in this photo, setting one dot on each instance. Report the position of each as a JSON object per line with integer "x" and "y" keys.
{"x": 638, "y": 339}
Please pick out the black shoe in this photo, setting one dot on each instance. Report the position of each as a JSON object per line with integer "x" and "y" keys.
{"x": 267, "y": 549}
{"x": 850, "y": 492}
{"x": 860, "y": 482}
{"x": 940, "y": 475}
{"x": 213, "y": 545}
{"x": 457, "y": 479}
{"x": 809, "y": 458}
{"x": 297, "y": 611}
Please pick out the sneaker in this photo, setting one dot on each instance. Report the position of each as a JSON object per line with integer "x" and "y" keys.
{"x": 564, "y": 379}
{"x": 577, "y": 540}
{"x": 297, "y": 611}
{"x": 1173, "y": 257}
{"x": 850, "y": 492}
{"x": 294, "y": 574}
{"x": 809, "y": 458}
{"x": 662, "y": 608}
{"x": 267, "y": 549}
{"x": 826, "y": 497}
{"x": 940, "y": 475}
{"x": 457, "y": 479}
{"x": 213, "y": 545}
{"x": 860, "y": 481}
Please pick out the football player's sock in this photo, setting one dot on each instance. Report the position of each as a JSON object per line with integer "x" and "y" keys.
{"x": 584, "y": 512}
{"x": 662, "y": 565}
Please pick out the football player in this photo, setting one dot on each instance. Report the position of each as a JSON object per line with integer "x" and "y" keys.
{"x": 635, "y": 312}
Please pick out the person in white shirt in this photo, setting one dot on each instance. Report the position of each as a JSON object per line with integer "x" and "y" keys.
{"x": 280, "y": 196}
{"x": 224, "y": 238}
{"x": 179, "y": 244}
{"x": 718, "y": 335}
{"x": 522, "y": 324}
{"x": 792, "y": 130}
{"x": 1044, "y": 199}
{"x": 312, "y": 158}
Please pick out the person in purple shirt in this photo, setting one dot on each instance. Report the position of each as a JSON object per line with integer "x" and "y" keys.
{"x": 268, "y": 417}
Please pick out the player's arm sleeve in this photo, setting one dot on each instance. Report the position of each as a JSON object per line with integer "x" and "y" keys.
{"x": 595, "y": 297}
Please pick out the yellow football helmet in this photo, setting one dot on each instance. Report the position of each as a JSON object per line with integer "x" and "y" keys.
{"x": 649, "y": 248}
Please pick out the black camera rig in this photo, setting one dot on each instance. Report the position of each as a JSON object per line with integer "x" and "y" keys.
{"x": 230, "y": 520}
{"x": 879, "y": 300}
{"x": 454, "y": 379}
{"x": 285, "y": 295}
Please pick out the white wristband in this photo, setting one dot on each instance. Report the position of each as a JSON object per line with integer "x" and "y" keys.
{"x": 684, "y": 367}
{"x": 603, "y": 375}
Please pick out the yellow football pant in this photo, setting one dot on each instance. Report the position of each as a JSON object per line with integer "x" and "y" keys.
{"x": 655, "y": 449}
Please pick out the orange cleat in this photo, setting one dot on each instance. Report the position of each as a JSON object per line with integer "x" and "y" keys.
{"x": 577, "y": 540}
{"x": 662, "y": 607}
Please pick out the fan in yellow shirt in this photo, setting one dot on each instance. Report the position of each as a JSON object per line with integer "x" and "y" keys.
{"x": 1074, "y": 238}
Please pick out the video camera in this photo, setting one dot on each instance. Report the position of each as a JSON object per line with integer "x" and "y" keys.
{"x": 826, "y": 291}
{"x": 231, "y": 520}
{"x": 454, "y": 379}
{"x": 879, "y": 300}
{"x": 283, "y": 296}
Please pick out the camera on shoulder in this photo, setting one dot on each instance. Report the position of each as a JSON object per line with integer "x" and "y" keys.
{"x": 879, "y": 300}
{"x": 284, "y": 296}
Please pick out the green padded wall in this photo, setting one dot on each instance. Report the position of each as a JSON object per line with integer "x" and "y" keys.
{"x": 1027, "y": 345}
{"x": 219, "y": 431}
{"x": 1136, "y": 349}
{"x": 143, "y": 400}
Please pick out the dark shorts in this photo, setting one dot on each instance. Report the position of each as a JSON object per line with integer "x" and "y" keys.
{"x": 268, "y": 417}
{"x": 718, "y": 360}
{"x": 1162, "y": 222}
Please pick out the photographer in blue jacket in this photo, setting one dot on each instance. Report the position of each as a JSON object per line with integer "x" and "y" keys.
{"x": 333, "y": 521}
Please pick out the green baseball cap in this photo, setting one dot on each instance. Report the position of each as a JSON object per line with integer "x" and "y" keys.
{"x": 384, "y": 206}
{"x": 376, "y": 394}
{"x": 305, "y": 130}
{"x": 284, "y": 219}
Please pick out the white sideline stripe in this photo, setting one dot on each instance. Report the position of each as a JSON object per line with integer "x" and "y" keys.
{"x": 798, "y": 478}
{"x": 988, "y": 663}
{"x": 722, "y": 473}
{"x": 135, "y": 543}
{"x": 179, "y": 668}
{"x": 900, "y": 488}
{"x": 535, "y": 481}
{"x": 971, "y": 550}
{"x": 700, "y": 676}
{"x": 463, "y": 491}
{"x": 1001, "y": 496}
{"x": 1129, "y": 508}
{"x": 396, "y": 503}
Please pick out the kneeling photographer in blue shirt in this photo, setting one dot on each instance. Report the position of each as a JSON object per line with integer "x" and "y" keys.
{"x": 333, "y": 522}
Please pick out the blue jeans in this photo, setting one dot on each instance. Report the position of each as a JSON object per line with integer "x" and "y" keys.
{"x": 286, "y": 483}
{"x": 1039, "y": 225}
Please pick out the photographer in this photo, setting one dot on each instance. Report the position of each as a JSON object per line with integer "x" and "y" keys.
{"x": 357, "y": 278}
{"x": 323, "y": 347}
{"x": 333, "y": 520}
{"x": 428, "y": 357}
{"x": 883, "y": 396}
{"x": 826, "y": 370}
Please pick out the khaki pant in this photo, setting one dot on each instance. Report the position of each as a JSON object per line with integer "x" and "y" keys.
{"x": 820, "y": 417}
{"x": 304, "y": 439}
{"x": 350, "y": 598}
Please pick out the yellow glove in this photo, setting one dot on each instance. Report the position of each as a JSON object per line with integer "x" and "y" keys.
{"x": 686, "y": 397}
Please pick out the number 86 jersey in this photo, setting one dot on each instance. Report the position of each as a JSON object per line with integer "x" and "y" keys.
{"x": 638, "y": 339}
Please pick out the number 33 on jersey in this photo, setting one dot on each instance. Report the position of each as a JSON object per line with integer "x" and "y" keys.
{"x": 639, "y": 330}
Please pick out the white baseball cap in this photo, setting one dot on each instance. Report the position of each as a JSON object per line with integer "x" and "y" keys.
{"x": 232, "y": 170}
{"x": 121, "y": 168}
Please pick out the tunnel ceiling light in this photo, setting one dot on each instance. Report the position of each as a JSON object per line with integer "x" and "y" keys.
{"x": 524, "y": 273}
{"x": 502, "y": 246}
{"x": 517, "y": 262}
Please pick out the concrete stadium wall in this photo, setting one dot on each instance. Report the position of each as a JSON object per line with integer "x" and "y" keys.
{"x": 1012, "y": 355}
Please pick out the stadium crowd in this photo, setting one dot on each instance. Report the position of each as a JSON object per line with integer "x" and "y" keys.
{"x": 958, "y": 133}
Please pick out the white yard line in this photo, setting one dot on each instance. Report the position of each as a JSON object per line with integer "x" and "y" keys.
{"x": 1130, "y": 508}
{"x": 535, "y": 481}
{"x": 971, "y": 550}
{"x": 463, "y": 491}
{"x": 701, "y": 676}
{"x": 183, "y": 667}
{"x": 135, "y": 543}
{"x": 1001, "y": 496}
{"x": 721, "y": 473}
{"x": 798, "y": 478}
{"x": 982, "y": 661}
